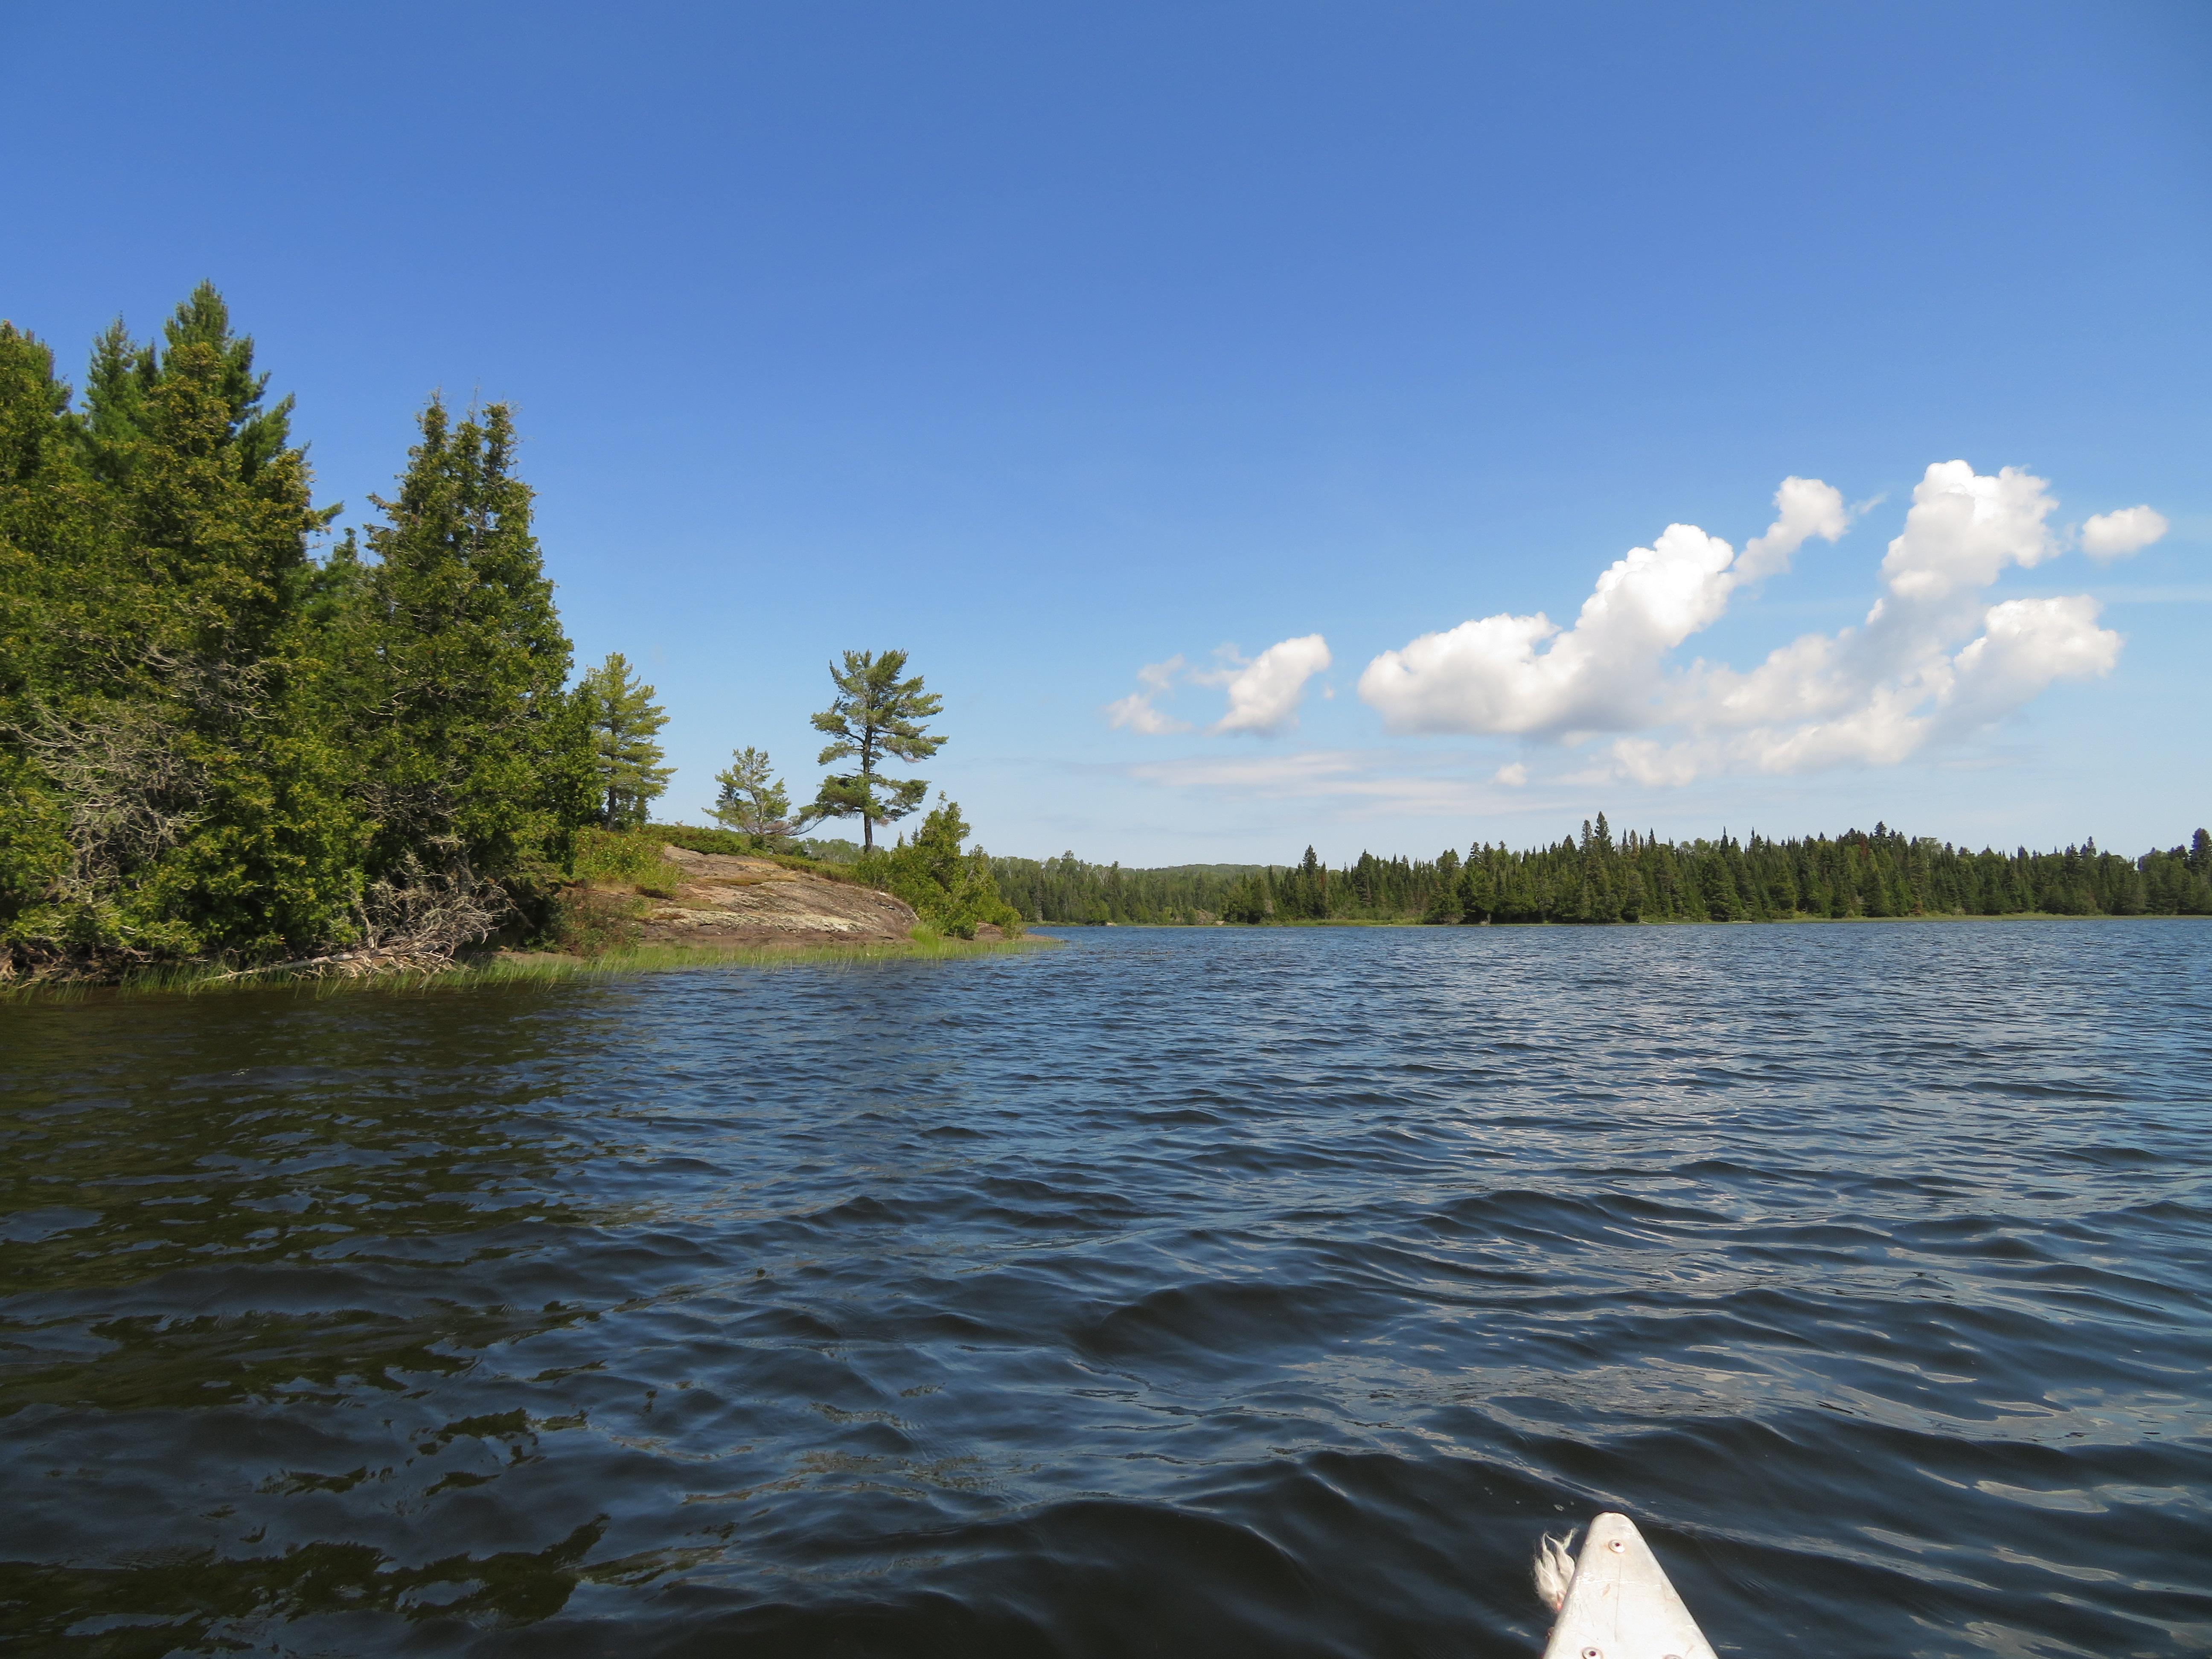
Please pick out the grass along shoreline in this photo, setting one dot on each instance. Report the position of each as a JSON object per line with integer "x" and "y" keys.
{"x": 545, "y": 967}
{"x": 506, "y": 967}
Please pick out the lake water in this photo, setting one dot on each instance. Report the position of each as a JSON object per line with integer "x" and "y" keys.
{"x": 1216, "y": 1291}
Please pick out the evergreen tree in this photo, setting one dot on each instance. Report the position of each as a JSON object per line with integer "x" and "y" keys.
{"x": 624, "y": 719}
{"x": 1250, "y": 900}
{"x": 875, "y": 716}
{"x": 1303, "y": 892}
{"x": 47, "y": 532}
{"x": 477, "y": 766}
{"x": 180, "y": 722}
{"x": 752, "y": 801}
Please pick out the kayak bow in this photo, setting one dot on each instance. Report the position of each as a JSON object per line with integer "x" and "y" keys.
{"x": 1614, "y": 1601}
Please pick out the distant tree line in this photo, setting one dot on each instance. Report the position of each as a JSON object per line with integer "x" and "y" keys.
{"x": 1881, "y": 872}
{"x": 1596, "y": 877}
{"x": 1067, "y": 890}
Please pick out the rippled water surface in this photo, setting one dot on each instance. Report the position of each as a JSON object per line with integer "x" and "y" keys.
{"x": 1206, "y": 1292}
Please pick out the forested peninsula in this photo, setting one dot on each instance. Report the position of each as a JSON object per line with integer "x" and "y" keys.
{"x": 221, "y": 755}
{"x": 1597, "y": 877}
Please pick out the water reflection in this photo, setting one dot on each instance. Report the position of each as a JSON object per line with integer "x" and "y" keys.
{"x": 205, "y": 1602}
{"x": 136, "y": 1142}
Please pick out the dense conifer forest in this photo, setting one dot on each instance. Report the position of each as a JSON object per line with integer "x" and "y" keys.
{"x": 1596, "y": 878}
{"x": 1067, "y": 890}
{"x": 215, "y": 747}
{"x": 218, "y": 750}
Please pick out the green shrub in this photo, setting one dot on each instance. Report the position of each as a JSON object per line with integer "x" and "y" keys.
{"x": 620, "y": 856}
{"x": 588, "y": 923}
{"x": 952, "y": 891}
{"x": 692, "y": 839}
{"x": 628, "y": 858}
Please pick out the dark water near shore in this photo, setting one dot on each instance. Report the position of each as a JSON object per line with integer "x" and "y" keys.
{"x": 1175, "y": 1292}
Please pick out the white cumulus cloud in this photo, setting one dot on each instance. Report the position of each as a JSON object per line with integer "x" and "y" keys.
{"x": 1932, "y": 661}
{"x": 1602, "y": 674}
{"x": 2116, "y": 534}
{"x": 1963, "y": 529}
{"x": 1808, "y": 509}
{"x": 2025, "y": 646}
{"x": 1136, "y": 712}
{"x": 1265, "y": 693}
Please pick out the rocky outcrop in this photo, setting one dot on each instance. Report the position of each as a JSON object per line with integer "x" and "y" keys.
{"x": 724, "y": 900}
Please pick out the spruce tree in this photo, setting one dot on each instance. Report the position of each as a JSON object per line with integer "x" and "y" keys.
{"x": 477, "y": 766}
{"x": 47, "y": 526}
{"x": 623, "y": 720}
{"x": 220, "y": 518}
{"x": 180, "y": 723}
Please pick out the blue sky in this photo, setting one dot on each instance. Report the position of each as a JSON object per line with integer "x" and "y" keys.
{"x": 1051, "y": 343}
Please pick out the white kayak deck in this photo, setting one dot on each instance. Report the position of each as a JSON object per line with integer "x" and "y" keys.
{"x": 1619, "y": 1604}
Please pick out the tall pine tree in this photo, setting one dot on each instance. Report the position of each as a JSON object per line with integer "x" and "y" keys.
{"x": 876, "y": 716}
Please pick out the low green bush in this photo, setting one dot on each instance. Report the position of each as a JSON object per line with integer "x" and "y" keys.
{"x": 952, "y": 891}
{"x": 587, "y": 923}
{"x": 693, "y": 839}
{"x": 619, "y": 855}
{"x": 628, "y": 858}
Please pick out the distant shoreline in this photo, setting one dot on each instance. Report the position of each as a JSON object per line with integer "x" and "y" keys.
{"x": 1654, "y": 921}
